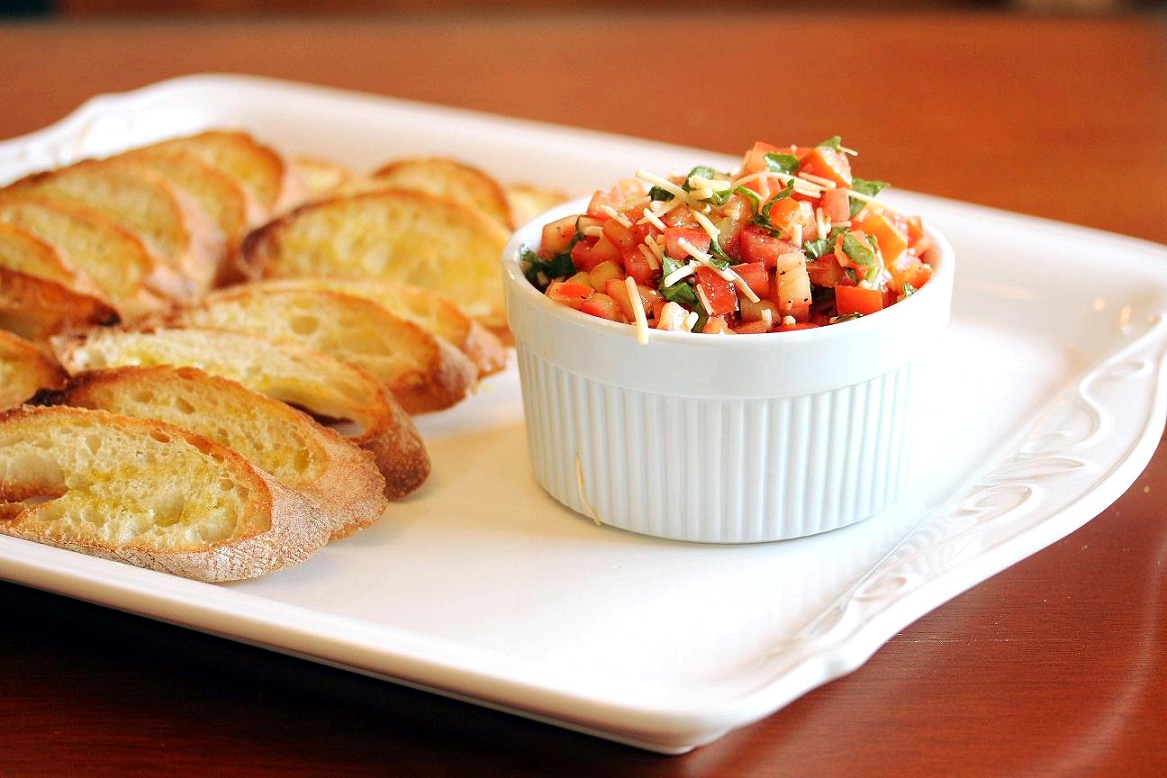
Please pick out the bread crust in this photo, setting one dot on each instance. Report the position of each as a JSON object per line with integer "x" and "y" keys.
{"x": 326, "y": 388}
{"x": 405, "y": 236}
{"x": 75, "y": 507}
{"x": 424, "y": 372}
{"x": 25, "y": 369}
{"x": 287, "y": 444}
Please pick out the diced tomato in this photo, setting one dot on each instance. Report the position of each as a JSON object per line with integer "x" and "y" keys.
{"x": 557, "y": 235}
{"x": 792, "y": 286}
{"x": 827, "y": 163}
{"x": 617, "y": 289}
{"x": 588, "y": 253}
{"x": 720, "y": 294}
{"x": 758, "y": 245}
{"x": 755, "y": 159}
{"x": 825, "y": 271}
{"x": 857, "y": 299}
{"x": 599, "y": 275}
{"x": 891, "y": 239}
{"x": 637, "y": 265}
{"x": 789, "y": 211}
{"x": 619, "y": 234}
{"x": 755, "y": 276}
{"x": 715, "y": 325}
{"x": 908, "y": 269}
{"x": 751, "y": 328}
{"x": 918, "y": 240}
{"x": 625, "y": 189}
{"x": 601, "y": 305}
{"x": 836, "y": 204}
{"x": 695, "y": 237}
{"x": 736, "y": 214}
{"x": 569, "y": 293}
{"x": 751, "y": 311}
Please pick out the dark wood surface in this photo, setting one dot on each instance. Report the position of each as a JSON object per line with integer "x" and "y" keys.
{"x": 1053, "y": 667}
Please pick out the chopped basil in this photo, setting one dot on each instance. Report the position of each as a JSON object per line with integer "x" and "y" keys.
{"x": 701, "y": 171}
{"x": 781, "y": 163}
{"x": 716, "y": 198}
{"x": 820, "y": 246}
{"x": 834, "y": 142}
{"x": 857, "y": 252}
{"x": 679, "y": 292}
{"x": 754, "y": 198}
{"x": 541, "y": 272}
{"x": 657, "y": 193}
{"x": 720, "y": 258}
{"x": 909, "y": 290}
{"x": 865, "y": 187}
{"x": 816, "y": 248}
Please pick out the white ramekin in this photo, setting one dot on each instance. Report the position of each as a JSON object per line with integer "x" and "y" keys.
{"x": 721, "y": 438}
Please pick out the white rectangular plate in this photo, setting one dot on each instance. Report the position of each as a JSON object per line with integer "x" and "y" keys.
{"x": 1045, "y": 404}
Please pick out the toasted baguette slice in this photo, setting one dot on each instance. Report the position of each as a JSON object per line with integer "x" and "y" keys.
{"x": 424, "y": 307}
{"x": 403, "y": 236}
{"x": 118, "y": 263}
{"x": 147, "y": 493}
{"x": 36, "y": 308}
{"x": 527, "y": 201}
{"x": 424, "y": 372}
{"x": 143, "y": 201}
{"x": 278, "y": 439}
{"x": 325, "y": 387}
{"x": 25, "y": 369}
{"x": 319, "y": 178}
{"x": 259, "y": 169}
{"x": 220, "y": 196}
{"x": 23, "y": 251}
{"x": 446, "y": 178}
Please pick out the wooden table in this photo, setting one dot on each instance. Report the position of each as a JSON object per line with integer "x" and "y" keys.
{"x": 1053, "y": 667}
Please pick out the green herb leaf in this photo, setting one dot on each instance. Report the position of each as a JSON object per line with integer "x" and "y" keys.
{"x": 865, "y": 187}
{"x": 681, "y": 293}
{"x": 720, "y": 258}
{"x": 857, "y": 252}
{"x": 541, "y": 272}
{"x": 833, "y": 142}
{"x": 781, "y": 163}
{"x": 816, "y": 248}
{"x": 656, "y": 193}
{"x": 754, "y": 198}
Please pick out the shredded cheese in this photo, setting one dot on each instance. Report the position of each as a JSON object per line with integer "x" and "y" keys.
{"x": 691, "y": 320}
{"x": 684, "y": 271}
{"x": 879, "y": 204}
{"x": 707, "y": 225}
{"x": 726, "y": 273}
{"x": 663, "y": 183}
{"x": 825, "y": 183}
{"x": 653, "y": 219}
{"x": 616, "y": 216}
{"x": 649, "y": 256}
{"x": 637, "y": 310}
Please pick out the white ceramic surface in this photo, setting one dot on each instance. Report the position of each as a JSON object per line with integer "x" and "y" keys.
{"x": 1048, "y": 401}
{"x": 722, "y": 439}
